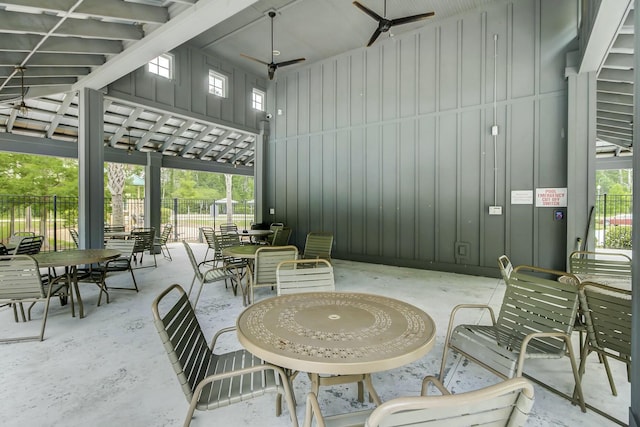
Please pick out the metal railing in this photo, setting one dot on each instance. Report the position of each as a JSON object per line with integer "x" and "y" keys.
{"x": 53, "y": 216}
{"x": 613, "y": 221}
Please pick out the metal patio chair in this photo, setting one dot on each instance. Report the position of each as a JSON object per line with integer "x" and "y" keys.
{"x": 505, "y": 404}
{"x": 210, "y": 380}
{"x": 536, "y": 321}
{"x": 211, "y": 275}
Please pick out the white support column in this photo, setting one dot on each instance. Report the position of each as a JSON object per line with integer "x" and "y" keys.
{"x": 259, "y": 178}
{"x": 90, "y": 169}
{"x": 152, "y": 191}
{"x": 581, "y": 143}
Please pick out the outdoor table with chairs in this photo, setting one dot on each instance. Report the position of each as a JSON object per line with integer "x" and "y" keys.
{"x": 71, "y": 259}
{"x": 336, "y": 333}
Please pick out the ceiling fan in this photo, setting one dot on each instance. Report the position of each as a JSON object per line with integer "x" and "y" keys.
{"x": 385, "y": 24}
{"x": 273, "y": 66}
{"x": 20, "y": 107}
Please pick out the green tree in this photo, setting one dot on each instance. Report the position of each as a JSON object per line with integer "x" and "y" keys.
{"x": 31, "y": 175}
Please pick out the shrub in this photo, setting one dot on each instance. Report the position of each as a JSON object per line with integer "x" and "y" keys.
{"x": 618, "y": 237}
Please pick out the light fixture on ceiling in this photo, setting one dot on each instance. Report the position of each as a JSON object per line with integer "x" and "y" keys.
{"x": 21, "y": 107}
{"x": 130, "y": 148}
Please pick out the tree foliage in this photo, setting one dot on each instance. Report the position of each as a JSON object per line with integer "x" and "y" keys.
{"x": 26, "y": 174}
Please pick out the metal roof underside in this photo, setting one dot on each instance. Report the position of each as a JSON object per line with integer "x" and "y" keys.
{"x": 615, "y": 87}
{"x": 66, "y": 45}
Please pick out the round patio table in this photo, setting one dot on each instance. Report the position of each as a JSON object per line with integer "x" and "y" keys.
{"x": 336, "y": 333}
{"x": 71, "y": 259}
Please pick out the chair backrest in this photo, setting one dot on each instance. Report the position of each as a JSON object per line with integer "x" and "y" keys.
{"x": 222, "y": 240}
{"x": 143, "y": 238}
{"x": 125, "y": 247}
{"x": 192, "y": 259}
{"x": 607, "y": 312}
{"x": 29, "y": 245}
{"x": 275, "y": 226}
{"x": 20, "y": 278}
{"x": 208, "y": 233}
{"x": 267, "y": 259}
{"x": 113, "y": 228}
{"x": 609, "y": 264}
{"x": 507, "y": 403}
{"x": 281, "y": 237}
{"x": 74, "y": 235}
{"x": 166, "y": 233}
{"x": 304, "y": 276}
{"x": 506, "y": 268}
{"x": 318, "y": 245}
{"x": 535, "y": 304}
{"x": 182, "y": 337}
{"x": 18, "y": 236}
{"x": 228, "y": 228}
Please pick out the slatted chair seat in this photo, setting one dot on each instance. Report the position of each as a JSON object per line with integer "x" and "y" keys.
{"x": 507, "y": 403}
{"x": 535, "y": 321}
{"x": 211, "y": 380}
{"x": 595, "y": 263}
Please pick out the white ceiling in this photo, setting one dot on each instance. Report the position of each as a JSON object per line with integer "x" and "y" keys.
{"x": 65, "y": 45}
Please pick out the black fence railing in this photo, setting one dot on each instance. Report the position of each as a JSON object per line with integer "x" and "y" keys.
{"x": 613, "y": 221}
{"x": 53, "y": 216}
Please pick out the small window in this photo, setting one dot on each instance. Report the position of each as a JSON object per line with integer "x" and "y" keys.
{"x": 162, "y": 66}
{"x": 257, "y": 99}
{"x": 217, "y": 84}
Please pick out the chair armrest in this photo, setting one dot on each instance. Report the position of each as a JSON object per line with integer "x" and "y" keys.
{"x": 220, "y": 332}
{"x": 532, "y": 336}
{"x": 461, "y": 306}
{"x": 313, "y": 409}
{"x": 436, "y": 382}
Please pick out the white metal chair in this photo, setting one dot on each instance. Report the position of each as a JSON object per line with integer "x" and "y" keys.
{"x": 211, "y": 380}
{"x": 264, "y": 267}
{"x": 314, "y": 275}
{"x": 304, "y": 276}
{"x": 507, "y": 403}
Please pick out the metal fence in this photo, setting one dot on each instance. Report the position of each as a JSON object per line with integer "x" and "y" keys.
{"x": 53, "y": 216}
{"x": 613, "y": 221}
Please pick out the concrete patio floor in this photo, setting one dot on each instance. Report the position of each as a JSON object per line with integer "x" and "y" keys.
{"x": 110, "y": 369}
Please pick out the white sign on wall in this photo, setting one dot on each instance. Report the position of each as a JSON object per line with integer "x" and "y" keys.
{"x": 522, "y": 197}
{"x": 551, "y": 197}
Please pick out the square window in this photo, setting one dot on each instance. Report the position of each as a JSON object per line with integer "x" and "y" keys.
{"x": 217, "y": 84}
{"x": 162, "y": 66}
{"x": 257, "y": 99}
